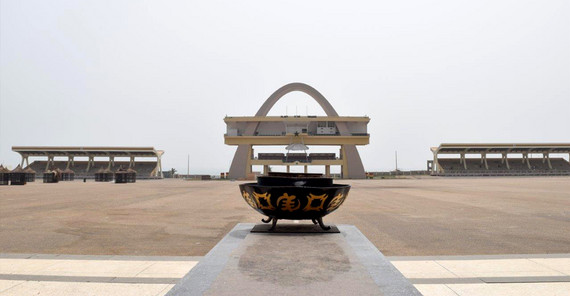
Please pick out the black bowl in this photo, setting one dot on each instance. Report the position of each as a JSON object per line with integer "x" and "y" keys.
{"x": 294, "y": 202}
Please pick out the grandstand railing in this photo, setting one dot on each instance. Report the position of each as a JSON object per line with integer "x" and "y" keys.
{"x": 503, "y": 173}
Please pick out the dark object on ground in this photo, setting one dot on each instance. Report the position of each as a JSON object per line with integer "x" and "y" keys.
{"x": 4, "y": 175}
{"x": 125, "y": 175}
{"x": 18, "y": 176}
{"x": 67, "y": 175}
{"x": 30, "y": 174}
{"x": 103, "y": 175}
{"x": 51, "y": 176}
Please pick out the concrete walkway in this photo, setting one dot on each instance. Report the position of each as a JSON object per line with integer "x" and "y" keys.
{"x": 488, "y": 275}
{"x": 22, "y": 274}
{"x": 27, "y": 274}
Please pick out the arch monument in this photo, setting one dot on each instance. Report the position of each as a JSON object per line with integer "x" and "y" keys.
{"x": 345, "y": 131}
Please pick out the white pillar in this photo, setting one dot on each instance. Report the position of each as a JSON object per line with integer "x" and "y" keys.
{"x": 547, "y": 157}
{"x": 159, "y": 164}
{"x": 505, "y": 160}
{"x": 89, "y": 163}
{"x": 525, "y": 158}
{"x": 50, "y": 159}
{"x": 69, "y": 160}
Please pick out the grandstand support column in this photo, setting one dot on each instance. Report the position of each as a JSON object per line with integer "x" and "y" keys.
{"x": 546, "y": 157}
{"x": 288, "y": 169}
{"x": 462, "y": 160}
{"x": 525, "y": 158}
{"x": 505, "y": 160}
{"x": 306, "y": 169}
{"x": 436, "y": 167}
{"x": 50, "y": 160}
{"x": 111, "y": 162}
{"x": 25, "y": 158}
{"x": 89, "y": 163}
{"x": 132, "y": 162}
{"x": 484, "y": 160}
{"x": 327, "y": 170}
{"x": 69, "y": 161}
{"x": 159, "y": 165}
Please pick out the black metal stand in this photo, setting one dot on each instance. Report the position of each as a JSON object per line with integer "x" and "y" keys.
{"x": 273, "y": 225}
{"x": 315, "y": 221}
{"x": 322, "y": 225}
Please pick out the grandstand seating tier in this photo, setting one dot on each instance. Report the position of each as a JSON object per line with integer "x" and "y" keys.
{"x": 143, "y": 168}
{"x": 497, "y": 166}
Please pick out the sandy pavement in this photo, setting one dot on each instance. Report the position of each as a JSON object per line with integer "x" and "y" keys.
{"x": 424, "y": 216}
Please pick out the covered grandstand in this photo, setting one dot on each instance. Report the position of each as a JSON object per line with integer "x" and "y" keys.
{"x": 87, "y": 167}
{"x": 509, "y": 159}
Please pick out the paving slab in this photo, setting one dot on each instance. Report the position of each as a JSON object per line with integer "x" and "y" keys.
{"x": 559, "y": 264}
{"x": 435, "y": 290}
{"x": 170, "y": 269}
{"x": 516, "y": 289}
{"x": 85, "y": 289}
{"x": 497, "y": 268}
{"x": 246, "y": 263}
{"x": 7, "y": 284}
{"x": 422, "y": 269}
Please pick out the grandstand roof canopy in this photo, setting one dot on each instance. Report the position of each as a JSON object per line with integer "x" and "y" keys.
{"x": 87, "y": 151}
{"x": 472, "y": 148}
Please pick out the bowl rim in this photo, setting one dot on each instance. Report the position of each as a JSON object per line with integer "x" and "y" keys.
{"x": 332, "y": 186}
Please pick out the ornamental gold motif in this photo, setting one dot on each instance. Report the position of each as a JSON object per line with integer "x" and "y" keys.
{"x": 290, "y": 202}
{"x": 335, "y": 202}
{"x": 311, "y": 197}
{"x": 266, "y": 198}
{"x": 249, "y": 199}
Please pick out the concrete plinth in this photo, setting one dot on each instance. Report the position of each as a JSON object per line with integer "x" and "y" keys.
{"x": 248, "y": 263}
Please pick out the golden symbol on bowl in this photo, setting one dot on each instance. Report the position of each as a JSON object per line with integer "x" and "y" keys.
{"x": 263, "y": 201}
{"x": 290, "y": 202}
{"x": 311, "y": 197}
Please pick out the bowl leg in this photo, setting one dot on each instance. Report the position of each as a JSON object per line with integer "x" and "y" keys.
{"x": 314, "y": 221}
{"x": 273, "y": 225}
{"x": 267, "y": 221}
{"x": 322, "y": 225}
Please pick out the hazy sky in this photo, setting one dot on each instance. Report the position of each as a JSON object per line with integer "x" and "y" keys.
{"x": 165, "y": 73}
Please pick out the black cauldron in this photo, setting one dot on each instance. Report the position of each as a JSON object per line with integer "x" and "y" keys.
{"x": 294, "y": 196}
